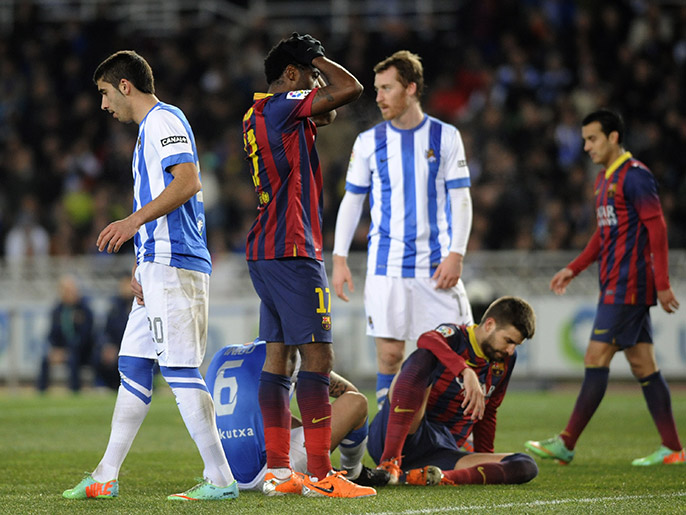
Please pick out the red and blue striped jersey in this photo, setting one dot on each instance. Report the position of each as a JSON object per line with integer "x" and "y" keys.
{"x": 279, "y": 139}
{"x": 444, "y": 405}
{"x": 625, "y": 199}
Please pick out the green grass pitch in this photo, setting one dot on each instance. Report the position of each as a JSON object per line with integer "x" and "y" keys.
{"x": 47, "y": 442}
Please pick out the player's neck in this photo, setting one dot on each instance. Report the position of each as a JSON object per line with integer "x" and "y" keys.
{"x": 143, "y": 107}
{"x": 616, "y": 153}
{"x": 409, "y": 118}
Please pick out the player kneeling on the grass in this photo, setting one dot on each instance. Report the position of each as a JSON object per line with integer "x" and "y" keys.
{"x": 233, "y": 380}
{"x": 462, "y": 373}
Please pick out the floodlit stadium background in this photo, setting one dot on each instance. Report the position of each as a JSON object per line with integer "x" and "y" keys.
{"x": 516, "y": 77}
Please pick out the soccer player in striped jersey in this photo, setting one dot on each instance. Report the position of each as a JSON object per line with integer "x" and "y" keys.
{"x": 168, "y": 320}
{"x": 233, "y": 380}
{"x": 630, "y": 245}
{"x": 414, "y": 169}
{"x": 284, "y": 253}
{"x": 451, "y": 386}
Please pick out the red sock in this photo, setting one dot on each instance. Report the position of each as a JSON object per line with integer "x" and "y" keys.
{"x": 486, "y": 474}
{"x": 312, "y": 394}
{"x": 408, "y": 395}
{"x": 514, "y": 469}
{"x": 276, "y": 416}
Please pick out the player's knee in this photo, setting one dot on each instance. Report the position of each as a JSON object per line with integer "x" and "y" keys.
{"x": 137, "y": 370}
{"x": 358, "y": 405}
{"x": 521, "y": 468}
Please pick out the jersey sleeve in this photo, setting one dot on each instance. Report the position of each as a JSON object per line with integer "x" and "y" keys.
{"x": 359, "y": 176}
{"x": 640, "y": 189}
{"x": 435, "y": 342}
{"x": 285, "y": 110}
{"x": 168, "y": 135}
{"x": 455, "y": 161}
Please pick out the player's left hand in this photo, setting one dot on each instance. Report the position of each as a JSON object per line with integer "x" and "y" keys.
{"x": 116, "y": 234}
{"x": 448, "y": 272}
{"x": 668, "y": 300}
{"x": 474, "y": 402}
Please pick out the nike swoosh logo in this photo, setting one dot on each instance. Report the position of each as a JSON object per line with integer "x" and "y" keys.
{"x": 383, "y": 160}
{"x": 398, "y": 409}
{"x": 327, "y": 490}
{"x": 317, "y": 420}
{"x": 159, "y": 353}
{"x": 470, "y": 363}
{"x": 600, "y": 331}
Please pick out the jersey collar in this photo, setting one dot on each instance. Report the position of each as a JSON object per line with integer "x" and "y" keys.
{"x": 615, "y": 164}
{"x": 260, "y": 96}
{"x": 475, "y": 345}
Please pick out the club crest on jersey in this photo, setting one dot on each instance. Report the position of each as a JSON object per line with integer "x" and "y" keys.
{"x": 498, "y": 369}
{"x": 431, "y": 155}
{"x": 370, "y": 322}
{"x": 263, "y": 197}
{"x": 170, "y": 140}
{"x": 297, "y": 95}
{"x": 611, "y": 190}
{"x": 445, "y": 330}
{"x": 326, "y": 322}
{"x": 138, "y": 143}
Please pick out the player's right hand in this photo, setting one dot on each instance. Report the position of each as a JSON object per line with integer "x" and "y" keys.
{"x": 559, "y": 282}
{"x": 341, "y": 275}
{"x": 474, "y": 402}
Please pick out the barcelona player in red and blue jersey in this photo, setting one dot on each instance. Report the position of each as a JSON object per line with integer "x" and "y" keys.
{"x": 447, "y": 389}
{"x": 284, "y": 252}
{"x": 630, "y": 245}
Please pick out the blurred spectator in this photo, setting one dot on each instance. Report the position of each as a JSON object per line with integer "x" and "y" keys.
{"x": 70, "y": 340}
{"x": 106, "y": 356}
{"x": 27, "y": 238}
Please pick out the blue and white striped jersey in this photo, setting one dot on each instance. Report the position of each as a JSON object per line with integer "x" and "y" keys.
{"x": 407, "y": 174}
{"x": 177, "y": 239}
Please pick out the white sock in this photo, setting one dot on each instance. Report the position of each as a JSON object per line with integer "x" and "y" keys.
{"x": 197, "y": 411}
{"x": 351, "y": 458}
{"x": 129, "y": 413}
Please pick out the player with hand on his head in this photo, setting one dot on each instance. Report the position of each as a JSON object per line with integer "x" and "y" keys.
{"x": 447, "y": 389}
{"x": 414, "y": 169}
{"x": 630, "y": 245}
{"x": 168, "y": 323}
{"x": 285, "y": 260}
{"x": 233, "y": 379}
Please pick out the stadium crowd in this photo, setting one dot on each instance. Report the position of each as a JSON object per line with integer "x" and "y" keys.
{"x": 515, "y": 76}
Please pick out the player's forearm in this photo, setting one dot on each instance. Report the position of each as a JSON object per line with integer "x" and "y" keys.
{"x": 461, "y": 221}
{"x": 342, "y": 87}
{"x": 349, "y": 214}
{"x": 657, "y": 236}
{"x": 181, "y": 189}
{"x": 587, "y": 256}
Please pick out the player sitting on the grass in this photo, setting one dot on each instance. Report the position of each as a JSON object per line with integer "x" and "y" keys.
{"x": 233, "y": 380}
{"x": 450, "y": 386}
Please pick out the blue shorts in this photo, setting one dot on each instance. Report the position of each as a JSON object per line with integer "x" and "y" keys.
{"x": 431, "y": 444}
{"x": 295, "y": 305}
{"x": 622, "y": 325}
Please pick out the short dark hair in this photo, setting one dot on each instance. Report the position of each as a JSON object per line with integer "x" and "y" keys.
{"x": 409, "y": 68}
{"x": 277, "y": 60}
{"x": 126, "y": 64}
{"x": 609, "y": 121}
{"x": 512, "y": 311}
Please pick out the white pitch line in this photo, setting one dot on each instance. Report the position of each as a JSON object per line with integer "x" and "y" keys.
{"x": 593, "y": 500}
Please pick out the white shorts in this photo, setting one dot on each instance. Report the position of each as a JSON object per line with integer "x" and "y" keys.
{"x": 172, "y": 325}
{"x": 402, "y": 308}
{"x": 298, "y": 457}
